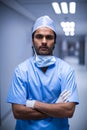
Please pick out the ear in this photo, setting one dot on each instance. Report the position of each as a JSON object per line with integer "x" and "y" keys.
{"x": 53, "y": 46}
{"x": 32, "y": 40}
{"x": 33, "y": 50}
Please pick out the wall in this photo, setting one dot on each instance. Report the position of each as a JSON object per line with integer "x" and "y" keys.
{"x": 57, "y": 49}
{"x": 15, "y": 47}
{"x": 82, "y": 52}
{"x": 86, "y": 51}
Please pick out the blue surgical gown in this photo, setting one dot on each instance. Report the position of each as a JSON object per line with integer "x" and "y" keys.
{"x": 29, "y": 82}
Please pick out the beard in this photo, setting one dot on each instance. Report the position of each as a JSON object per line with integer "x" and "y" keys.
{"x": 45, "y": 50}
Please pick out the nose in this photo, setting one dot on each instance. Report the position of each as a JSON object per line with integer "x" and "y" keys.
{"x": 44, "y": 40}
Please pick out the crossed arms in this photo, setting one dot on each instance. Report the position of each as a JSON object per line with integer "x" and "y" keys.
{"x": 43, "y": 110}
{"x": 40, "y": 110}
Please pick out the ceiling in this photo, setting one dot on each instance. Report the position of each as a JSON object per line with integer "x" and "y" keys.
{"x": 37, "y": 8}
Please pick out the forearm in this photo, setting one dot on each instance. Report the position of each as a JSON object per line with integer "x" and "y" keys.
{"x": 26, "y": 113}
{"x": 60, "y": 110}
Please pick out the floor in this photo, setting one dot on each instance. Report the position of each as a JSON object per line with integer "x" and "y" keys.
{"x": 79, "y": 120}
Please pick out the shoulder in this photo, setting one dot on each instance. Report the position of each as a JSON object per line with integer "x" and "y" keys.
{"x": 64, "y": 66}
{"x": 24, "y": 66}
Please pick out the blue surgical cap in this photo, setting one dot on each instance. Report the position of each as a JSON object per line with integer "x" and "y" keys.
{"x": 44, "y": 21}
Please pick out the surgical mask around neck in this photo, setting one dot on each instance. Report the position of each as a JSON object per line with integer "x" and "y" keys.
{"x": 44, "y": 61}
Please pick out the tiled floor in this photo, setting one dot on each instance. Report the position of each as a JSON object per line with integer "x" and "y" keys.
{"x": 79, "y": 120}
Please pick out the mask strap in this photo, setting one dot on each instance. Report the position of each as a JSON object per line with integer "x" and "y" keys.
{"x": 34, "y": 51}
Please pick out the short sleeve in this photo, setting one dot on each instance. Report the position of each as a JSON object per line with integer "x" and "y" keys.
{"x": 18, "y": 91}
{"x": 69, "y": 83}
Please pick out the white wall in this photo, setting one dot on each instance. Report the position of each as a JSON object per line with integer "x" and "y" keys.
{"x": 15, "y": 47}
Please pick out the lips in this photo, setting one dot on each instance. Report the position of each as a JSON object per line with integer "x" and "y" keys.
{"x": 43, "y": 48}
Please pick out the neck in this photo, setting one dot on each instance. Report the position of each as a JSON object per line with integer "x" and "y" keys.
{"x": 44, "y": 69}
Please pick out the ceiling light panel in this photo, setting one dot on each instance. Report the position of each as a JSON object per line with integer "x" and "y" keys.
{"x": 68, "y": 28}
{"x": 72, "y": 7}
{"x": 64, "y": 7}
{"x": 56, "y": 7}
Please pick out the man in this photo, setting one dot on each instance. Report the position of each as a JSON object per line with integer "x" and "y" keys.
{"x": 43, "y": 91}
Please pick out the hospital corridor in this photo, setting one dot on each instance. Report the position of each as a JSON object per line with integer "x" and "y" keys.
{"x": 16, "y": 20}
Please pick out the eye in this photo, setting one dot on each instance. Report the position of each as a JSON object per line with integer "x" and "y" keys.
{"x": 39, "y": 36}
{"x": 49, "y": 37}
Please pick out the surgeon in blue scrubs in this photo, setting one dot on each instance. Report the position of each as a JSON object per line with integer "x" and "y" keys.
{"x": 43, "y": 91}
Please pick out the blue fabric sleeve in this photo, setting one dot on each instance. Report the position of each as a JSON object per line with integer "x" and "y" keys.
{"x": 17, "y": 92}
{"x": 69, "y": 83}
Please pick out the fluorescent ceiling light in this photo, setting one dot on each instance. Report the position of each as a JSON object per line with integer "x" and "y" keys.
{"x": 64, "y": 7}
{"x": 67, "y": 33}
{"x": 68, "y": 24}
{"x": 72, "y": 7}
{"x": 72, "y": 24}
{"x": 56, "y": 7}
{"x": 72, "y": 33}
{"x": 68, "y": 28}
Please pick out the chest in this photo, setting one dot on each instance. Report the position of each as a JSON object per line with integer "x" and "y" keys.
{"x": 44, "y": 86}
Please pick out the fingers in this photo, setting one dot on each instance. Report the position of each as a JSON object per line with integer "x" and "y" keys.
{"x": 65, "y": 92}
{"x": 65, "y": 95}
